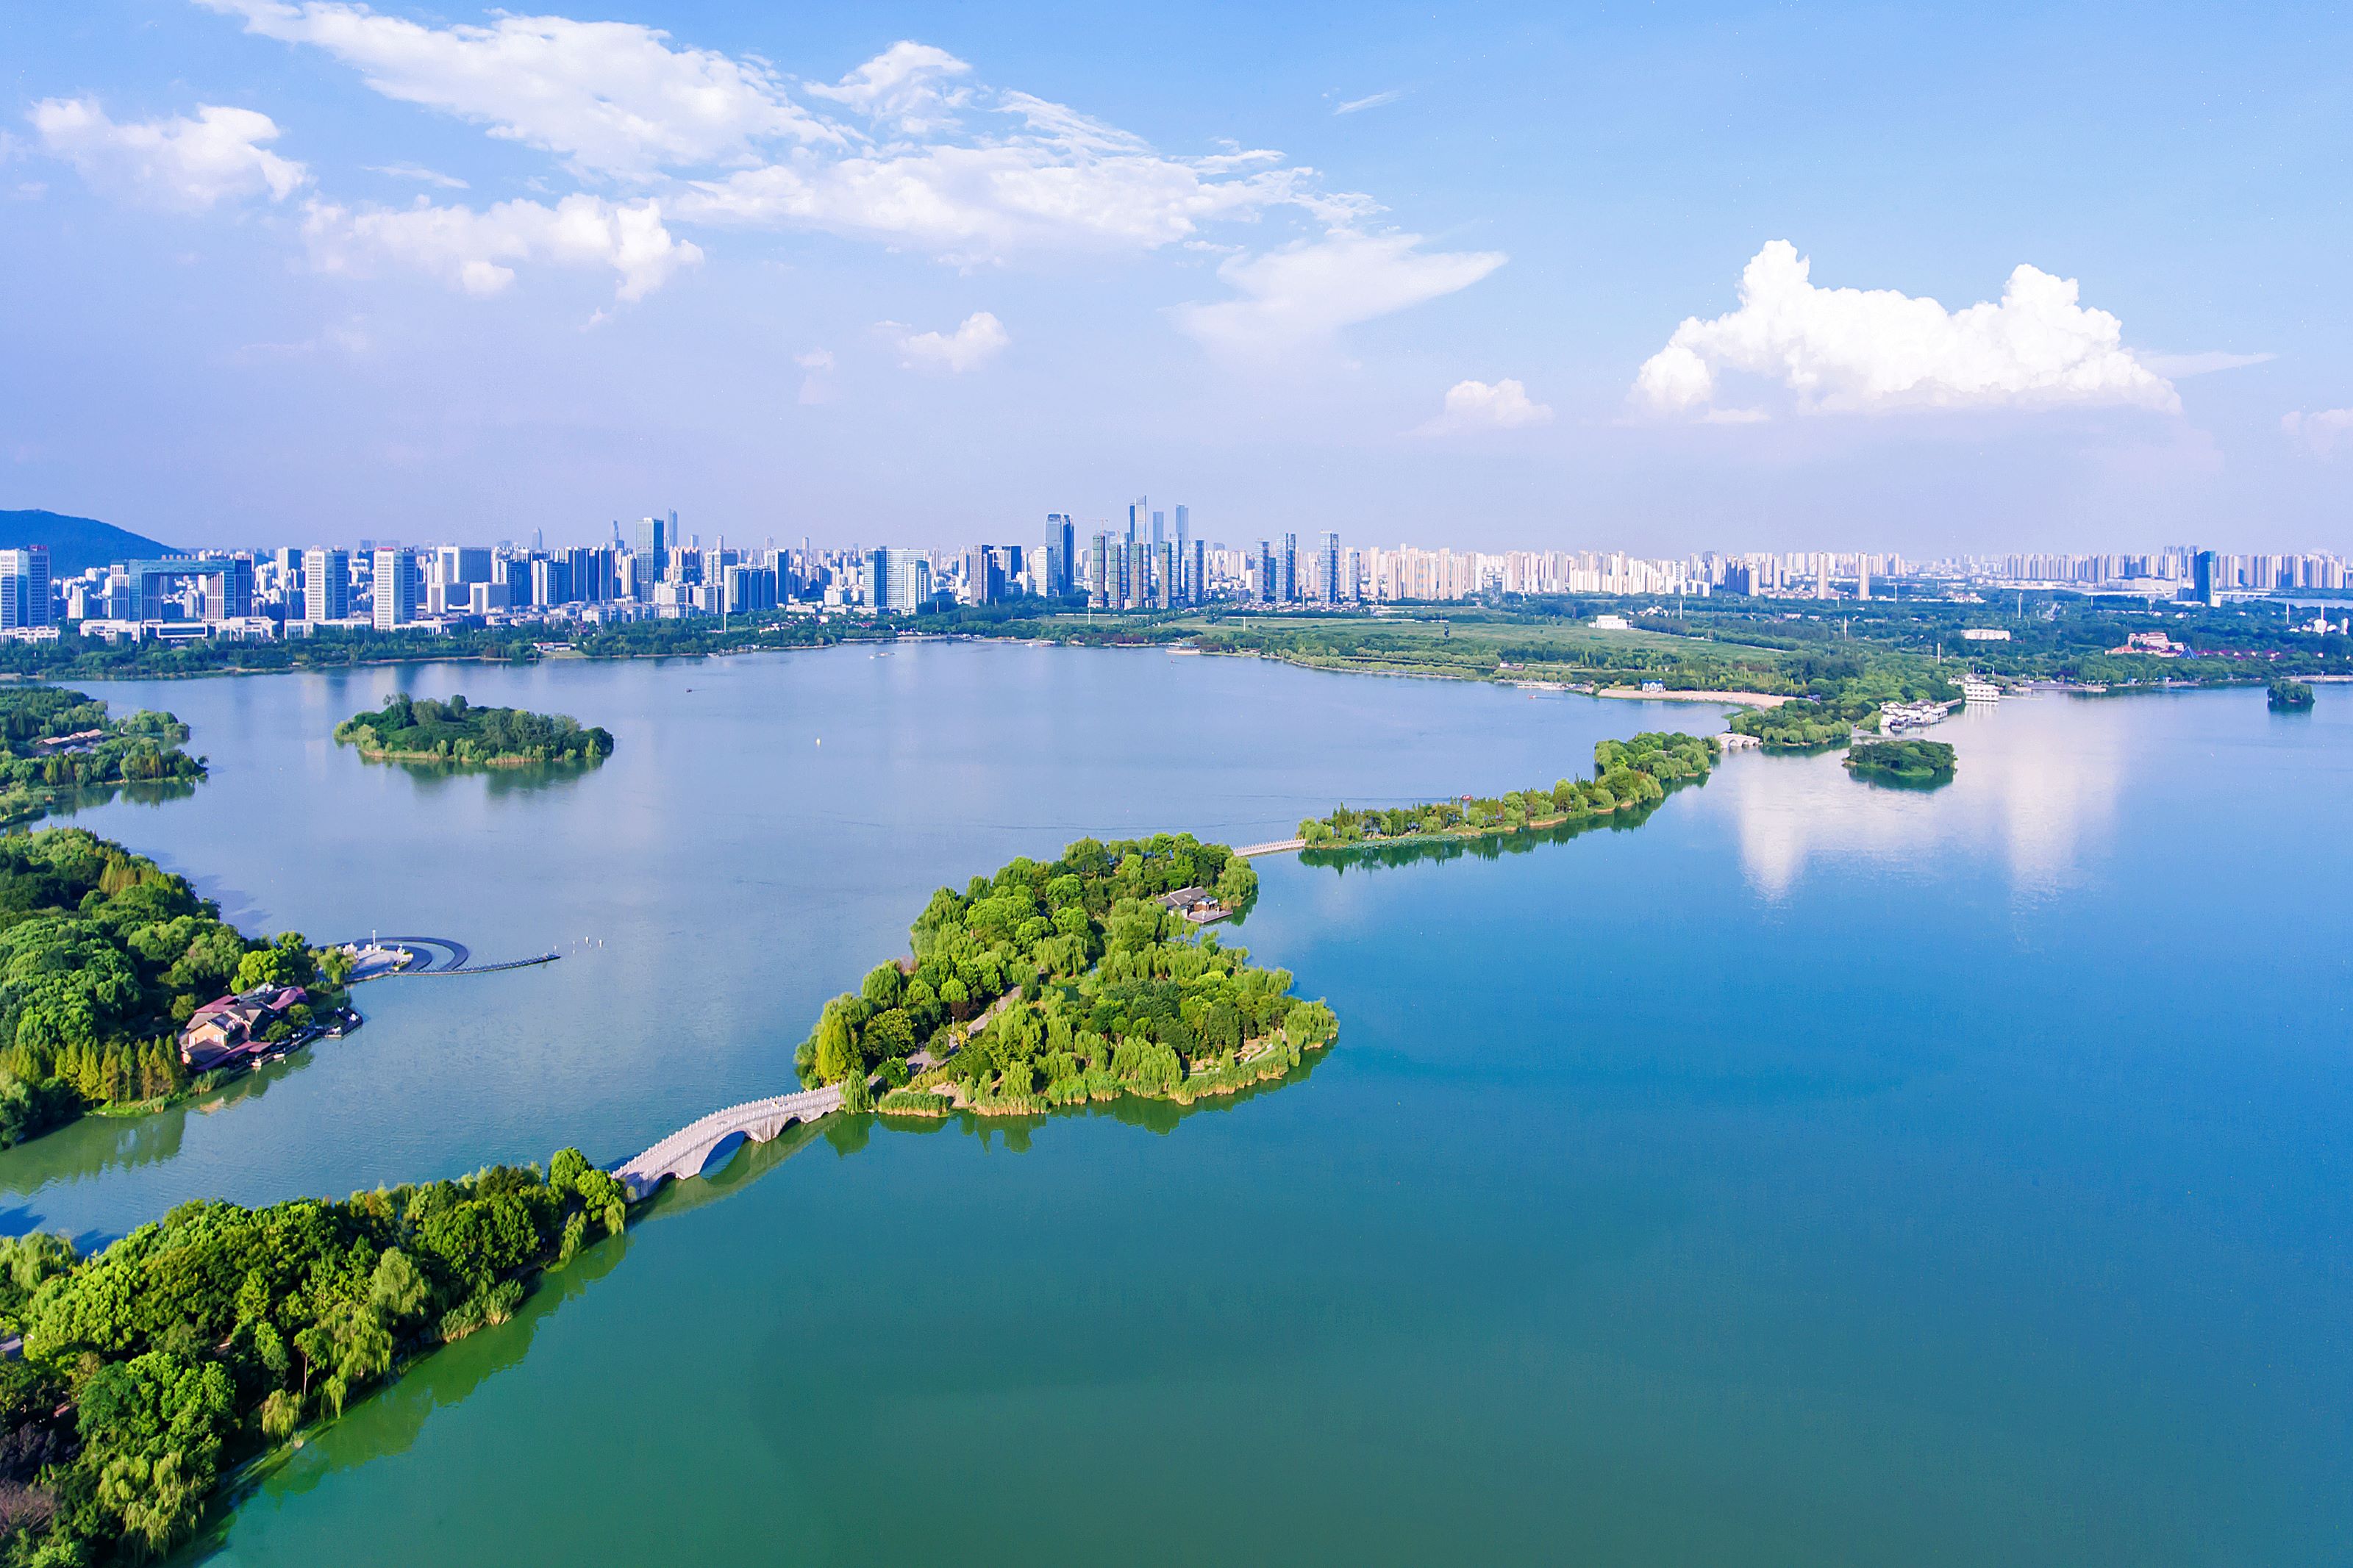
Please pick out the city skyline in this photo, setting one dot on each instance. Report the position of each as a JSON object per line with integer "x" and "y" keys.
{"x": 314, "y": 272}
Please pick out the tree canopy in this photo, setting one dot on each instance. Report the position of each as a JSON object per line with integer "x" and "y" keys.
{"x": 428, "y": 730}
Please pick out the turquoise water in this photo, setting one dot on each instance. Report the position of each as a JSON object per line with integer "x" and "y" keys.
{"x": 1819, "y": 1173}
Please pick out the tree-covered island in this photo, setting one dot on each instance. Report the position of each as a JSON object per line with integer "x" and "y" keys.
{"x": 104, "y": 957}
{"x": 1627, "y": 774}
{"x": 2286, "y": 696}
{"x": 425, "y": 729}
{"x": 54, "y": 741}
{"x": 1057, "y": 982}
{"x": 1914, "y": 762}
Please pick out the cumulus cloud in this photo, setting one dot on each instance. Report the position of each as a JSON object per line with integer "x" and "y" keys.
{"x": 189, "y": 164}
{"x": 610, "y": 97}
{"x": 1873, "y": 349}
{"x": 816, "y": 386}
{"x": 2326, "y": 431}
{"x": 478, "y": 251}
{"x": 1303, "y": 293}
{"x": 1475, "y": 405}
{"x": 977, "y": 341}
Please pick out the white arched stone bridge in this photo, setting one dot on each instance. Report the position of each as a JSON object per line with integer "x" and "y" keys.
{"x": 685, "y": 1152}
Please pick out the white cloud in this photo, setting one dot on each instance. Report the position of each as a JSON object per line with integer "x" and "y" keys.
{"x": 815, "y": 386}
{"x": 907, "y": 150}
{"x": 1374, "y": 100}
{"x": 420, "y": 174}
{"x": 1869, "y": 350}
{"x": 1474, "y": 405}
{"x": 1303, "y": 293}
{"x": 2326, "y": 430}
{"x": 2177, "y": 366}
{"x": 816, "y": 359}
{"x": 907, "y": 85}
{"x": 479, "y": 250}
{"x": 188, "y": 165}
{"x": 972, "y": 344}
{"x": 611, "y": 97}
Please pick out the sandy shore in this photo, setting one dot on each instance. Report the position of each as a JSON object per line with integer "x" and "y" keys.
{"x": 1751, "y": 699}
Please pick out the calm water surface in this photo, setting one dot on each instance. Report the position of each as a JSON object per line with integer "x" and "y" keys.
{"x": 1819, "y": 1173}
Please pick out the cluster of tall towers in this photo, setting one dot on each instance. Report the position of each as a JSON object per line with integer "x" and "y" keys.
{"x": 1147, "y": 566}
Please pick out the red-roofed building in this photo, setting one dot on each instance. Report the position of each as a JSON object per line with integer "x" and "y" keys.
{"x": 232, "y": 1028}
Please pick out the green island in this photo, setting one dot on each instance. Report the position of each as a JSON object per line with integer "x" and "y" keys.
{"x": 2286, "y": 696}
{"x": 425, "y": 729}
{"x": 151, "y": 1371}
{"x": 1911, "y": 762}
{"x": 55, "y": 743}
{"x": 1055, "y": 984}
{"x": 1627, "y": 774}
{"x": 104, "y": 958}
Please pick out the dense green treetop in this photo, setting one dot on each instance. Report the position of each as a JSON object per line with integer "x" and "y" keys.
{"x": 1902, "y": 761}
{"x": 2288, "y": 696}
{"x": 103, "y": 956}
{"x": 153, "y": 1367}
{"x": 1627, "y": 773}
{"x": 423, "y": 729}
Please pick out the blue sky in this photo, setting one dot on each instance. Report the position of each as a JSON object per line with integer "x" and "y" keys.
{"x": 1659, "y": 278}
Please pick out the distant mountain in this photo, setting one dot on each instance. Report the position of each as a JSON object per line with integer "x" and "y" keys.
{"x": 76, "y": 544}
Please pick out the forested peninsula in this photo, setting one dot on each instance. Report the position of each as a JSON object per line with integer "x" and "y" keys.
{"x": 103, "y": 957}
{"x": 424, "y": 729}
{"x": 54, "y": 741}
{"x": 1627, "y": 774}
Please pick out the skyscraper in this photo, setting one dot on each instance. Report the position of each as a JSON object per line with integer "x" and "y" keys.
{"x": 395, "y": 587}
{"x": 1286, "y": 567}
{"x": 2205, "y": 579}
{"x": 24, "y": 587}
{"x": 1139, "y": 519}
{"x": 654, "y": 541}
{"x": 1189, "y": 585}
{"x": 1062, "y": 557}
{"x": 326, "y": 585}
{"x": 1099, "y": 572}
{"x": 1327, "y": 579}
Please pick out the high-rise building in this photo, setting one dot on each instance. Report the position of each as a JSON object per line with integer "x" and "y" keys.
{"x": 655, "y": 541}
{"x": 326, "y": 585}
{"x": 984, "y": 575}
{"x": 1267, "y": 580}
{"x": 1061, "y": 556}
{"x": 1286, "y": 567}
{"x": 898, "y": 582}
{"x": 1139, "y": 519}
{"x": 24, "y": 587}
{"x": 2205, "y": 579}
{"x": 395, "y": 587}
{"x": 1099, "y": 572}
{"x": 1328, "y": 582}
{"x": 1862, "y": 576}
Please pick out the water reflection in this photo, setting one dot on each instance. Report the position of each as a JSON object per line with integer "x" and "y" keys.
{"x": 88, "y": 798}
{"x": 389, "y": 1420}
{"x": 2037, "y": 782}
{"x": 91, "y": 1148}
{"x": 1493, "y": 846}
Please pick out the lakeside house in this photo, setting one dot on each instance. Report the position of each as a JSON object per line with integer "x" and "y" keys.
{"x": 1198, "y": 905}
{"x": 234, "y": 1028}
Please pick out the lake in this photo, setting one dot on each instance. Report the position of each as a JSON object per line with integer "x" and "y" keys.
{"x": 1816, "y": 1174}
